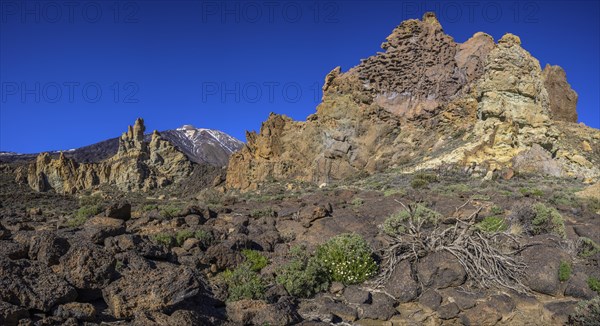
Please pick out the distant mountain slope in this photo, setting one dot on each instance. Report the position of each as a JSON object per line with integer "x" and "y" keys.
{"x": 200, "y": 145}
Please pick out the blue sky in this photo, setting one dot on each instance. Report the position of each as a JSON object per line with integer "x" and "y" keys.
{"x": 73, "y": 74}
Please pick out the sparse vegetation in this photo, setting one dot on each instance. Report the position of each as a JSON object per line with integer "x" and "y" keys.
{"x": 206, "y": 238}
{"x": 304, "y": 275}
{"x": 564, "y": 271}
{"x": 395, "y": 224}
{"x": 594, "y": 284}
{"x": 586, "y": 247}
{"x": 492, "y": 224}
{"x": 183, "y": 235}
{"x": 169, "y": 211}
{"x": 255, "y": 260}
{"x": 531, "y": 192}
{"x": 547, "y": 220}
{"x": 164, "y": 239}
{"x": 394, "y": 191}
{"x": 88, "y": 211}
{"x": 263, "y": 212}
{"x": 357, "y": 202}
{"x": 538, "y": 218}
{"x": 422, "y": 179}
{"x": 76, "y": 221}
{"x": 587, "y": 313}
{"x": 348, "y": 258}
{"x": 243, "y": 283}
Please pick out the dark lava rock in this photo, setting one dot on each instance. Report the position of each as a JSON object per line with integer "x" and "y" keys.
{"x": 155, "y": 289}
{"x": 381, "y": 308}
{"x": 47, "y": 248}
{"x": 448, "y": 311}
{"x": 10, "y": 314}
{"x": 12, "y": 250}
{"x": 441, "y": 270}
{"x": 401, "y": 283}
{"x": 354, "y": 294}
{"x": 431, "y": 299}
{"x": 32, "y": 285}
{"x": 78, "y": 310}
{"x": 97, "y": 229}
{"x": 120, "y": 210}
{"x": 89, "y": 268}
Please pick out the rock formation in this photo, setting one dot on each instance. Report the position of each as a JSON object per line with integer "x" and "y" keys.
{"x": 138, "y": 165}
{"x": 427, "y": 102}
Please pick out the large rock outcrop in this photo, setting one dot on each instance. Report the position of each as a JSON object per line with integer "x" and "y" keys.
{"x": 138, "y": 165}
{"x": 427, "y": 102}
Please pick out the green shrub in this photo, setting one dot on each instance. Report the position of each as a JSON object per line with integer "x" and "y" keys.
{"x": 547, "y": 220}
{"x": 263, "y": 212}
{"x": 164, "y": 239}
{"x": 586, "y": 247}
{"x": 422, "y": 179}
{"x": 391, "y": 192}
{"x": 149, "y": 207}
{"x": 90, "y": 200}
{"x": 356, "y": 202}
{"x": 418, "y": 183}
{"x": 564, "y": 271}
{"x": 88, "y": 211}
{"x": 206, "y": 238}
{"x": 594, "y": 284}
{"x": 496, "y": 210}
{"x": 255, "y": 260}
{"x": 587, "y": 313}
{"x": 395, "y": 224}
{"x": 492, "y": 224}
{"x": 348, "y": 258}
{"x": 169, "y": 211}
{"x": 528, "y": 192}
{"x": 303, "y": 276}
{"x": 243, "y": 283}
{"x": 76, "y": 221}
{"x": 183, "y": 235}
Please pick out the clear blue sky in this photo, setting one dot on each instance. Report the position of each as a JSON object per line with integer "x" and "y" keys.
{"x": 226, "y": 65}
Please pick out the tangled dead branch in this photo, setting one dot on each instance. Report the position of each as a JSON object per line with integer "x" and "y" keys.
{"x": 478, "y": 252}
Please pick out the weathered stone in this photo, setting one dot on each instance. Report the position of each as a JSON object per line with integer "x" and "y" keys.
{"x": 448, "y": 311}
{"x": 563, "y": 99}
{"x": 431, "y": 299}
{"x": 120, "y": 210}
{"x": 12, "y": 250}
{"x": 354, "y": 294}
{"x": 32, "y": 285}
{"x": 441, "y": 270}
{"x": 155, "y": 289}
{"x": 98, "y": 228}
{"x": 401, "y": 283}
{"x": 11, "y": 314}
{"x": 381, "y": 308}
{"x": 89, "y": 268}
{"x": 47, "y": 247}
{"x": 78, "y": 310}
{"x": 138, "y": 165}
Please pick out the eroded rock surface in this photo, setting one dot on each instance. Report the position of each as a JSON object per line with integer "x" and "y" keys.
{"x": 138, "y": 165}
{"x": 427, "y": 102}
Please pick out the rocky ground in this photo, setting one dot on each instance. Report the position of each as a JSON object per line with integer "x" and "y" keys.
{"x": 257, "y": 258}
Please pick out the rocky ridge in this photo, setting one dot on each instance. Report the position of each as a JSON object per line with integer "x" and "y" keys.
{"x": 425, "y": 103}
{"x": 137, "y": 165}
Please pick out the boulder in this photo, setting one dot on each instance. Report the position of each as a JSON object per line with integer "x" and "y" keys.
{"x": 47, "y": 248}
{"x": 440, "y": 270}
{"x": 32, "y": 285}
{"x": 89, "y": 268}
{"x": 150, "y": 290}
{"x": 11, "y": 314}
{"x": 401, "y": 283}
{"x": 120, "y": 210}
{"x": 77, "y": 310}
{"x": 98, "y": 228}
